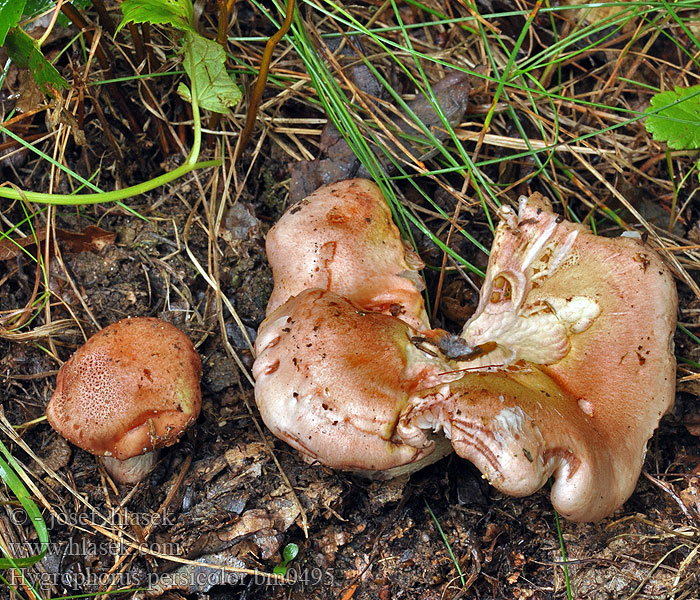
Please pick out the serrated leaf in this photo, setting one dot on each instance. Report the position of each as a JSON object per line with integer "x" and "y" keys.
{"x": 24, "y": 52}
{"x": 675, "y": 118}
{"x": 177, "y": 13}
{"x": 10, "y": 13}
{"x": 205, "y": 63}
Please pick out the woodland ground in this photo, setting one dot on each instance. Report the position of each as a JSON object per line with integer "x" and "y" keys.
{"x": 218, "y": 497}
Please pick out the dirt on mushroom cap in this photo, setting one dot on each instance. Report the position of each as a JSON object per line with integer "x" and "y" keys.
{"x": 342, "y": 239}
{"x": 331, "y": 380}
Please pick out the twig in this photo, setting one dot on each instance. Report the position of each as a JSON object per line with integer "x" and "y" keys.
{"x": 259, "y": 88}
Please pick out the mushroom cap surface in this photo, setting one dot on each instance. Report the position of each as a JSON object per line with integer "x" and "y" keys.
{"x": 584, "y": 367}
{"x": 332, "y": 379}
{"x": 342, "y": 239}
{"x": 131, "y": 388}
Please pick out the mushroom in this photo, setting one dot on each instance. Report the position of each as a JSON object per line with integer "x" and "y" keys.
{"x": 132, "y": 388}
{"x": 342, "y": 238}
{"x": 581, "y": 370}
{"x": 332, "y": 380}
{"x": 564, "y": 370}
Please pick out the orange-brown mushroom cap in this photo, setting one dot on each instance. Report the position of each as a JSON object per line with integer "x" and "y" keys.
{"x": 342, "y": 239}
{"x": 131, "y": 388}
{"x": 583, "y": 367}
{"x": 332, "y": 379}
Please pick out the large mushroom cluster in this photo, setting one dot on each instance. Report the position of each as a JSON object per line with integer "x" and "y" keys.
{"x": 564, "y": 370}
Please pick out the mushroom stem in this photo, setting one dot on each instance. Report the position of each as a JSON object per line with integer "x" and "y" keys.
{"x": 131, "y": 470}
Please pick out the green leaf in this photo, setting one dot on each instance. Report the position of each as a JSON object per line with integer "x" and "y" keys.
{"x": 34, "y": 7}
{"x": 290, "y": 552}
{"x": 31, "y": 510}
{"x": 205, "y": 63}
{"x": 184, "y": 92}
{"x": 10, "y": 13}
{"x": 205, "y": 60}
{"x": 24, "y": 51}
{"x": 674, "y": 117}
{"x": 177, "y": 13}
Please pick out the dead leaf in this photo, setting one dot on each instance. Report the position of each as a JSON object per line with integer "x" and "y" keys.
{"x": 337, "y": 161}
{"x": 198, "y": 579}
{"x": 690, "y": 496}
{"x": 251, "y": 522}
{"x": 350, "y": 592}
{"x": 30, "y": 96}
{"x": 91, "y": 239}
{"x": 513, "y": 577}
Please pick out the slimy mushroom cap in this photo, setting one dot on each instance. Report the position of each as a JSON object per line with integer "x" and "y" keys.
{"x": 583, "y": 365}
{"x": 332, "y": 380}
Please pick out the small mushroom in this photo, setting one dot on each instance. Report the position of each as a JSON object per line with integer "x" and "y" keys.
{"x": 132, "y": 388}
{"x": 581, "y": 369}
{"x": 342, "y": 239}
{"x": 332, "y": 380}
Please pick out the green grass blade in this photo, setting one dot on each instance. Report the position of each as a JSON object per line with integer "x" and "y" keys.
{"x": 8, "y": 473}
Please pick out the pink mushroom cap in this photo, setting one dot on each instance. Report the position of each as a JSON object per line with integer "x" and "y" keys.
{"x": 342, "y": 239}
{"x": 332, "y": 380}
{"x": 131, "y": 388}
{"x": 582, "y": 369}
